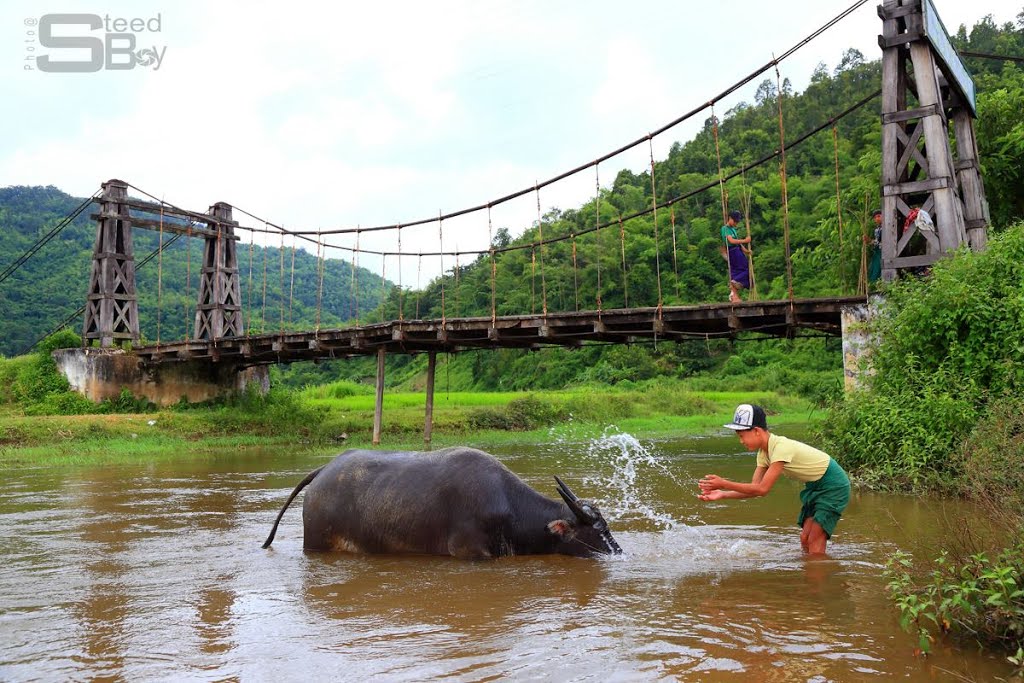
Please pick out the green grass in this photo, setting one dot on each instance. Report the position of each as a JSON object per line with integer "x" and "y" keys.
{"x": 459, "y": 399}
{"x": 312, "y": 420}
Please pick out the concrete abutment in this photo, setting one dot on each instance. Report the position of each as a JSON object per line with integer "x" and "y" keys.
{"x": 100, "y": 374}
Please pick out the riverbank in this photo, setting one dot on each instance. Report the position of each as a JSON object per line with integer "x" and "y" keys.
{"x": 340, "y": 415}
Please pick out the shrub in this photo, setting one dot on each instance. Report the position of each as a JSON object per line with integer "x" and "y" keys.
{"x": 62, "y": 403}
{"x": 904, "y": 436}
{"x": 947, "y": 344}
{"x": 61, "y": 339}
{"x": 992, "y": 462}
{"x": 276, "y": 411}
{"x": 520, "y": 414}
{"x": 126, "y": 402}
{"x": 981, "y": 598}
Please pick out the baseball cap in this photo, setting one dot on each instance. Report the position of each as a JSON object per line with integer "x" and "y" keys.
{"x": 735, "y": 215}
{"x": 746, "y": 417}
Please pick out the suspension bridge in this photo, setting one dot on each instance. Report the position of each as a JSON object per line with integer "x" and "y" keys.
{"x": 925, "y": 88}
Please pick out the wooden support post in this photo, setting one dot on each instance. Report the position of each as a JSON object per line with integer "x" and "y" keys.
{"x": 976, "y": 216}
{"x": 948, "y": 215}
{"x": 428, "y": 420}
{"x": 111, "y": 307}
{"x": 892, "y": 99}
{"x": 378, "y": 408}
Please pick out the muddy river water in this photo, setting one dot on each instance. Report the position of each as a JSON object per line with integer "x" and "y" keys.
{"x": 155, "y": 572}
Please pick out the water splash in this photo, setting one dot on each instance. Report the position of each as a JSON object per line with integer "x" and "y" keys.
{"x": 630, "y": 463}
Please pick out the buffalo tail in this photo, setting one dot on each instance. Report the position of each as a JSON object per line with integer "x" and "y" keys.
{"x": 302, "y": 484}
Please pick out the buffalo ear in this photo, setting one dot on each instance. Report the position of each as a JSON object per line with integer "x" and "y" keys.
{"x": 562, "y": 529}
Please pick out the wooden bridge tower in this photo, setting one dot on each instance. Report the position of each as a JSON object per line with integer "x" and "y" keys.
{"x": 918, "y": 167}
{"x": 112, "y": 311}
{"x": 111, "y": 307}
{"x": 219, "y": 309}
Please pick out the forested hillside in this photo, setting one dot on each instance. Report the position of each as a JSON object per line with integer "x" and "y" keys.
{"x": 52, "y": 285}
{"x": 824, "y": 262}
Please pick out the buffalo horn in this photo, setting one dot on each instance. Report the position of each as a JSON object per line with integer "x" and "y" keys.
{"x": 571, "y": 499}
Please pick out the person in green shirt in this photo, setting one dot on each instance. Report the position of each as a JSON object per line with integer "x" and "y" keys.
{"x": 827, "y": 487}
{"x": 736, "y": 253}
{"x": 875, "y": 247}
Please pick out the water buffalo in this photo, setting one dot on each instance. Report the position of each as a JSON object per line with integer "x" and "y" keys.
{"x": 456, "y": 501}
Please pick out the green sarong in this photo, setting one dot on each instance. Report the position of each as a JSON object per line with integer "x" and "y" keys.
{"x": 825, "y": 499}
{"x": 875, "y": 265}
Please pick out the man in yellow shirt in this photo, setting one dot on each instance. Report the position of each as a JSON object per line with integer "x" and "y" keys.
{"x": 827, "y": 489}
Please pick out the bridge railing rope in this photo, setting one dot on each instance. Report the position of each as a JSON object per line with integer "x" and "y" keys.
{"x": 785, "y": 191}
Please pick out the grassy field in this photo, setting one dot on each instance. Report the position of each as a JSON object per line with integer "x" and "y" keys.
{"x": 333, "y": 417}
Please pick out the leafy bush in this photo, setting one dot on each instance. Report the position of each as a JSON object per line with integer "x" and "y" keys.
{"x": 40, "y": 387}
{"x": 942, "y": 407}
{"x": 61, "y": 339}
{"x": 981, "y": 598}
{"x": 801, "y": 367}
{"x": 521, "y": 414}
{"x": 62, "y": 403}
{"x": 967, "y": 318}
{"x": 950, "y": 346}
{"x": 991, "y": 462}
{"x": 670, "y": 400}
{"x": 904, "y": 436}
{"x": 276, "y": 411}
{"x": 9, "y": 371}
{"x": 126, "y": 402}
{"x": 601, "y": 407}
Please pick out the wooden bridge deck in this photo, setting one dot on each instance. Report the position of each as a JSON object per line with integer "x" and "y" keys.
{"x": 622, "y": 326}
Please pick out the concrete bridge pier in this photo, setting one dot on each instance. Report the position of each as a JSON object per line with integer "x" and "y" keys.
{"x": 858, "y": 342}
{"x": 101, "y": 374}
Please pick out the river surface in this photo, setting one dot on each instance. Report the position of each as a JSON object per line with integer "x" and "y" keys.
{"x": 155, "y": 572}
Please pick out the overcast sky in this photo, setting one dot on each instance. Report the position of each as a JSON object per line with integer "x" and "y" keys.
{"x": 337, "y": 114}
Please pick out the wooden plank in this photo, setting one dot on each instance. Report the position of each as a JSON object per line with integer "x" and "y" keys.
{"x": 139, "y": 222}
{"x": 909, "y": 114}
{"x": 948, "y": 220}
{"x": 900, "y": 39}
{"x": 891, "y": 68}
{"x": 153, "y": 208}
{"x": 972, "y": 189}
{"x": 911, "y": 150}
{"x": 637, "y": 324}
{"x": 913, "y": 261}
{"x": 917, "y": 186}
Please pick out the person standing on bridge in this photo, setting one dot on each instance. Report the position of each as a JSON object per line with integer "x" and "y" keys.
{"x": 739, "y": 269}
{"x": 875, "y": 248}
{"x": 827, "y": 487}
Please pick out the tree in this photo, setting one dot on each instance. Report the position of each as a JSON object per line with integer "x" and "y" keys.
{"x": 852, "y": 59}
